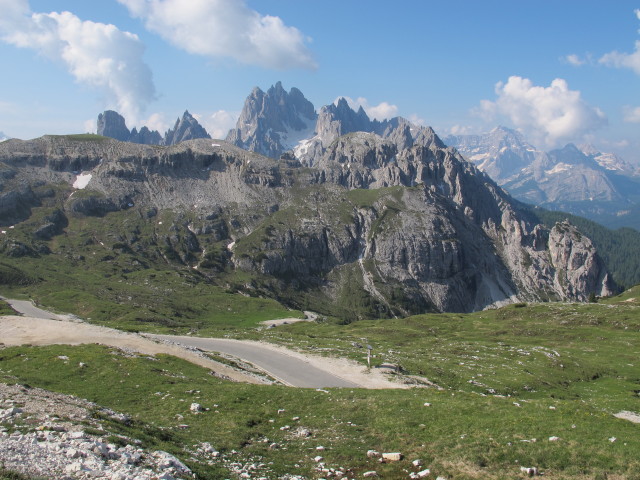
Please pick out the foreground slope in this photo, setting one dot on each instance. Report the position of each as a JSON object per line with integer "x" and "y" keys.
{"x": 552, "y": 387}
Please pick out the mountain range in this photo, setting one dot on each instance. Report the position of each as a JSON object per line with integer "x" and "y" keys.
{"x": 580, "y": 180}
{"x": 363, "y": 219}
{"x": 112, "y": 124}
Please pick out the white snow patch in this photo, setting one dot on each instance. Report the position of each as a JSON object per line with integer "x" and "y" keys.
{"x": 560, "y": 167}
{"x": 479, "y": 156}
{"x": 231, "y": 245}
{"x": 82, "y": 181}
{"x": 215, "y": 144}
{"x": 302, "y": 148}
{"x": 292, "y": 139}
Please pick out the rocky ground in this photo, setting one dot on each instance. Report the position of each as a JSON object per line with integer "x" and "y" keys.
{"x": 46, "y": 434}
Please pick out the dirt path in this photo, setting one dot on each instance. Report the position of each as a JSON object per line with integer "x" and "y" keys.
{"x": 16, "y": 330}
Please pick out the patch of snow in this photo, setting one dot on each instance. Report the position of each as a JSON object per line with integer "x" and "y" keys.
{"x": 231, "y": 245}
{"x": 82, "y": 180}
{"x": 479, "y": 156}
{"x": 302, "y": 148}
{"x": 215, "y": 144}
{"x": 560, "y": 167}
{"x": 292, "y": 139}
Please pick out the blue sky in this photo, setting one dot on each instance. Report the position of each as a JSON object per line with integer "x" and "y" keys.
{"x": 561, "y": 72}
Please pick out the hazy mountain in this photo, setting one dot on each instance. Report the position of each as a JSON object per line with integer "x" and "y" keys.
{"x": 583, "y": 181}
{"x": 3, "y": 137}
{"x": 501, "y": 153}
{"x": 112, "y": 124}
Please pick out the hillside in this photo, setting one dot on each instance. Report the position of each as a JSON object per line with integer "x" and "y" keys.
{"x": 376, "y": 229}
{"x": 532, "y": 386}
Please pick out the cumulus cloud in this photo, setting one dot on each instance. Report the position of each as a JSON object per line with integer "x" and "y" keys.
{"x": 624, "y": 60}
{"x": 225, "y": 28}
{"x": 98, "y": 55}
{"x": 382, "y": 111}
{"x": 574, "y": 60}
{"x": 461, "y": 130}
{"x": 157, "y": 121}
{"x": 632, "y": 115}
{"x": 418, "y": 120}
{"x": 548, "y": 115}
{"x": 219, "y": 123}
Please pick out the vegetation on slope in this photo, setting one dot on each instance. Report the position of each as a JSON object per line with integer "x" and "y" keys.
{"x": 519, "y": 386}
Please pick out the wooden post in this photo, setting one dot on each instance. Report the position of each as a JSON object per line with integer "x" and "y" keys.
{"x": 369, "y": 348}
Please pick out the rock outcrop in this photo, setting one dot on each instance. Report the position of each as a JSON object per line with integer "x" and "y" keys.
{"x": 54, "y": 445}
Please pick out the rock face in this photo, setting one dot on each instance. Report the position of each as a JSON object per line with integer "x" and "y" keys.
{"x": 582, "y": 180}
{"x": 273, "y": 122}
{"x": 112, "y": 124}
{"x": 379, "y": 223}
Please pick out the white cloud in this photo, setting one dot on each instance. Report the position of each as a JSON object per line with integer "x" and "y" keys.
{"x": 548, "y": 115}
{"x": 225, "y": 28}
{"x": 624, "y": 60}
{"x": 220, "y": 122}
{"x": 382, "y": 111}
{"x": 461, "y": 130}
{"x": 416, "y": 119}
{"x": 90, "y": 126}
{"x": 156, "y": 121}
{"x": 632, "y": 115}
{"x": 98, "y": 55}
{"x": 575, "y": 60}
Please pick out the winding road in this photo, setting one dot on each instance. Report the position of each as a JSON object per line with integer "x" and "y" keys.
{"x": 40, "y": 327}
{"x": 286, "y": 368}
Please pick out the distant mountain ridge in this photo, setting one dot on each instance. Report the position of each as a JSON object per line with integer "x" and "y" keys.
{"x": 579, "y": 180}
{"x": 112, "y": 124}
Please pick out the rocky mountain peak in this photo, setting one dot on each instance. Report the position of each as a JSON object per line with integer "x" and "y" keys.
{"x": 570, "y": 155}
{"x": 273, "y": 122}
{"x": 339, "y": 119}
{"x": 185, "y": 128}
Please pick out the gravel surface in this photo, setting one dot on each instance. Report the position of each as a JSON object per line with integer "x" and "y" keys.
{"x": 41, "y": 435}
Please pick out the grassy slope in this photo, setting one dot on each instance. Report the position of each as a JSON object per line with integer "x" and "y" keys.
{"x": 579, "y": 359}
